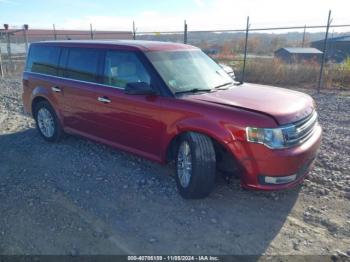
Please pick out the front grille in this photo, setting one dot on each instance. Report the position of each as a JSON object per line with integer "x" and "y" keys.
{"x": 301, "y": 130}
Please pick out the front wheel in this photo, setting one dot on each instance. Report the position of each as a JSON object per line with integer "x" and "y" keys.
{"x": 195, "y": 165}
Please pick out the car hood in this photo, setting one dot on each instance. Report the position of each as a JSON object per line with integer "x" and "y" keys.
{"x": 284, "y": 105}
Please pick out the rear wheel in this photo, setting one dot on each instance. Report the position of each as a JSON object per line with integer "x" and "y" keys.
{"x": 47, "y": 122}
{"x": 195, "y": 166}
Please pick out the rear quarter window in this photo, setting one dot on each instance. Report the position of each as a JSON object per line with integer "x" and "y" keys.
{"x": 43, "y": 59}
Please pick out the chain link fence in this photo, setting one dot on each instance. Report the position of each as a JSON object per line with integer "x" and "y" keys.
{"x": 306, "y": 56}
{"x": 14, "y": 43}
{"x": 310, "y": 56}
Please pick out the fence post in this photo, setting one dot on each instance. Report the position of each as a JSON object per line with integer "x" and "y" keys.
{"x": 133, "y": 30}
{"x": 91, "y": 33}
{"x": 9, "y": 49}
{"x": 185, "y": 32}
{"x": 245, "y": 51}
{"x": 25, "y": 35}
{"x": 320, "y": 78}
{"x": 1, "y": 67}
{"x": 303, "y": 42}
{"x": 54, "y": 31}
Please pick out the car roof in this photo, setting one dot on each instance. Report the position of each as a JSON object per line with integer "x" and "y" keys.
{"x": 141, "y": 45}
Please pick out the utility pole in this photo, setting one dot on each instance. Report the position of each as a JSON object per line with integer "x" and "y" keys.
{"x": 245, "y": 51}
{"x": 320, "y": 78}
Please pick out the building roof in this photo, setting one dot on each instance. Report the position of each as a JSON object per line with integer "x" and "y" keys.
{"x": 142, "y": 45}
{"x": 342, "y": 38}
{"x": 345, "y": 38}
{"x": 301, "y": 50}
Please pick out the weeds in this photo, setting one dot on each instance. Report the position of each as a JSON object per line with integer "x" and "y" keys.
{"x": 303, "y": 74}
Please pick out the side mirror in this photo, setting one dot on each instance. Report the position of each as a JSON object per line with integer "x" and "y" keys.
{"x": 139, "y": 88}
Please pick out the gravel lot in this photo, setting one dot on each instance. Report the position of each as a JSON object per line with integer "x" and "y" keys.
{"x": 79, "y": 197}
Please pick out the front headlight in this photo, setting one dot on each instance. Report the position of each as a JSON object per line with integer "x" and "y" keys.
{"x": 271, "y": 137}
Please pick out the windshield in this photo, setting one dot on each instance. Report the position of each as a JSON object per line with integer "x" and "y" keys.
{"x": 186, "y": 71}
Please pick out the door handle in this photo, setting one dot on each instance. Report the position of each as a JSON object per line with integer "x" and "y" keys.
{"x": 56, "y": 89}
{"x": 104, "y": 99}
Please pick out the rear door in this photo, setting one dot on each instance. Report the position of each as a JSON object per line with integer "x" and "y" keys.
{"x": 80, "y": 76}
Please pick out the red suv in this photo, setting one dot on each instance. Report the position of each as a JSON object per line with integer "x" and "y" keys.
{"x": 169, "y": 101}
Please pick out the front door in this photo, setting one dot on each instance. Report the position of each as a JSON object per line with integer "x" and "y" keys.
{"x": 132, "y": 121}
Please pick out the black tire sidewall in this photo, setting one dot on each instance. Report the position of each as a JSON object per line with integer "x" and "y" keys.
{"x": 197, "y": 175}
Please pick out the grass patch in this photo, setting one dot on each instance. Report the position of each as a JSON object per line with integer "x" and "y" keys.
{"x": 271, "y": 71}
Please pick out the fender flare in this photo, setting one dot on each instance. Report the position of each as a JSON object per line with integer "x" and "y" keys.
{"x": 198, "y": 125}
{"x": 42, "y": 92}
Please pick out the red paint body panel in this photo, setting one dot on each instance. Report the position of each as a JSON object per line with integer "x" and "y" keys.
{"x": 146, "y": 124}
{"x": 130, "y": 122}
{"x": 260, "y": 160}
{"x": 286, "y": 106}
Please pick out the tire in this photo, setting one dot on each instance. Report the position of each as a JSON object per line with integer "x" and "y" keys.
{"x": 202, "y": 169}
{"x": 50, "y": 135}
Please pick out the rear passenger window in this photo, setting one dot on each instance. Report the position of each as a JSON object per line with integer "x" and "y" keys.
{"x": 82, "y": 64}
{"x": 122, "y": 67}
{"x": 43, "y": 59}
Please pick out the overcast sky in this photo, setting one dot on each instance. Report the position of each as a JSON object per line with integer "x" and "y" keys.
{"x": 165, "y": 15}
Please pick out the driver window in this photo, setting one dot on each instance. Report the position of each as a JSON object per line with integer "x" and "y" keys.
{"x": 122, "y": 68}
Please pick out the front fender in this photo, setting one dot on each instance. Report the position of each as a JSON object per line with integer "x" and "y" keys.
{"x": 200, "y": 125}
{"x": 204, "y": 126}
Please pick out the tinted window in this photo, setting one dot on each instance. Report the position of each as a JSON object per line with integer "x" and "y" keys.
{"x": 83, "y": 64}
{"x": 43, "y": 59}
{"x": 123, "y": 67}
{"x": 63, "y": 61}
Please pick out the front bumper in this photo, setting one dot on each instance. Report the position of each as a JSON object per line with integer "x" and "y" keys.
{"x": 257, "y": 161}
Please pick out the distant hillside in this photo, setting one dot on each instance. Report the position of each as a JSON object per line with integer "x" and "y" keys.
{"x": 259, "y": 43}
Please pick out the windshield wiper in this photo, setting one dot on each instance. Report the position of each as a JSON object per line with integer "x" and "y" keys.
{"x": 194, "y": 90}
{"x": 226, "y": 84}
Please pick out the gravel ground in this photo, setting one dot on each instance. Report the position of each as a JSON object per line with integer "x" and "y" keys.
{"x": 79, "y": 197}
